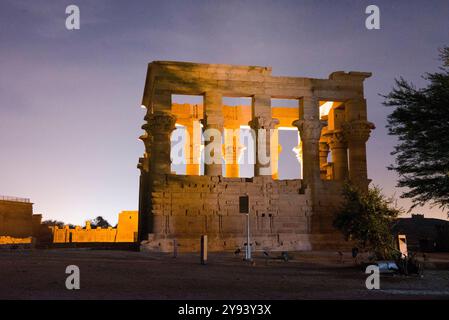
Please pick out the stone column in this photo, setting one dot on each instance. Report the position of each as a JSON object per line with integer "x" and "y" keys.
{"x": 262, "y": 120}
{"x": 144, "y": 223}
{"x": 147, "y": 139}
{"x": 357, "y": 131}
{"x": 192, "y": 146}
{"x": 324, "y": 152}
{"x": 357, "y": 134}
{"x": 213, "y": 116}
{"x": 310, "y": 131}
{"x": 339, "y": 153}
{"x": 160, "y": 125}
{"x": 264, "y": 135}
{"x": 144, "y": 187}
{"x": 144, "y": 165}
{"x": 275, "y": 152}
{"x": 232, "y": 151}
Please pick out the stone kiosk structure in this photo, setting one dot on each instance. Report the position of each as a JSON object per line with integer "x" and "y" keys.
{"x": 291, "y": 214}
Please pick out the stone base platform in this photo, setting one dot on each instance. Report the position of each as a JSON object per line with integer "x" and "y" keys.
{"x": 275, "y": 242}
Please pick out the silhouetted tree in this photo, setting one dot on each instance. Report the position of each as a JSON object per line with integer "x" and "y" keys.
{"x": 52, "y": 223}
{"x": 99, "y": 222}
{"x": 366, "y": 217}
{"x": 420, "y": 120}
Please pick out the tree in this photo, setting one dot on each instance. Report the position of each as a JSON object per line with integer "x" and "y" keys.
{"x": 53, "y": 223}
{"x": 367, "y": 218}
{"x": 99, "y": 222}
{"x": 420, "y": 120}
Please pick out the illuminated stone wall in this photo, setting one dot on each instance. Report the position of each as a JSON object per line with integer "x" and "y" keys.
{"x": 16, "y": 218}
{"x": 126, "y": 231}
{"x": 12, "y": 240}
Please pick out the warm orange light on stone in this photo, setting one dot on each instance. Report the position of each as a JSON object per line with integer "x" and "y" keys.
{"x": 126, "y": 231}
{"x": 292, "y": 214}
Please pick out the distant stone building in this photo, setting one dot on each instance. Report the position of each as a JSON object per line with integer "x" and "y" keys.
{"x": 16, "y": 220}
{"x": 424, "y": 234}
{"x": 126, "y": 231}
{"x": 330, "y": 117}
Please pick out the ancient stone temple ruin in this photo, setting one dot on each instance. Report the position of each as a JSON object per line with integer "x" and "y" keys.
{"x": 329, "y": 116}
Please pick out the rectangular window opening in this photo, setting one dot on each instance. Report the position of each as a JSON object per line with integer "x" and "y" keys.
{"x": 287, "y": 154}
{"x": 187, "y": 144}
{"x": 238, "y": 158}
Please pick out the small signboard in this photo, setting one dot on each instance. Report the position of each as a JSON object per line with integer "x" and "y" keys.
{"x": 244, "y": 204}
{"x": 402, "y": 244}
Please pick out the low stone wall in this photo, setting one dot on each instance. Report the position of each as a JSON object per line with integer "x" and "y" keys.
{"x": 78, "y": 234}
{"x": 126, "y": 231}
{"x": 11, "y": 240}
{"x": 270, "y": 243}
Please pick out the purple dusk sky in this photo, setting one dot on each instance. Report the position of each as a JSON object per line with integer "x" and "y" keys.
{"x": 70, "y": 111}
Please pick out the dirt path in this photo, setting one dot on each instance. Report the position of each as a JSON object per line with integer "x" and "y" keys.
{"x": 40, "y": 274}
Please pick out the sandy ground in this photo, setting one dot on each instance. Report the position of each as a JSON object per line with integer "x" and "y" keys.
{"x": 40, "y": 274}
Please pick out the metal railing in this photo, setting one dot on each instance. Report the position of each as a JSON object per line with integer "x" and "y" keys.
{"x": 15, "y": 199}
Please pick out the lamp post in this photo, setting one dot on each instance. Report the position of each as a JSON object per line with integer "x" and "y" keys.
{"x": 248, "y": 243}
{"x": 244, "y": 208}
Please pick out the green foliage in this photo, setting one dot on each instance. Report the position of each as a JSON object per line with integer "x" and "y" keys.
{"x": 420, "y": 120}
{"x": 53, "y": 223}
{"x": 444, "y": 54}
{"x": 99, "y": 222}
{"x": 367, "y": 218}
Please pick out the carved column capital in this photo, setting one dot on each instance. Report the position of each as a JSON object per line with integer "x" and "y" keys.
{"x": 310, "y": 129}
{"x": 147, "y": 140}
{"x": 159, "y": 126}
{"x": 324, "y": 147}
{"x": 336, "y": 139}
{"x": 160, "y": 122}
{"x": 144, "y": 164}
{"x": 357, "y": 130}
{"x": 261, "y": 122}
